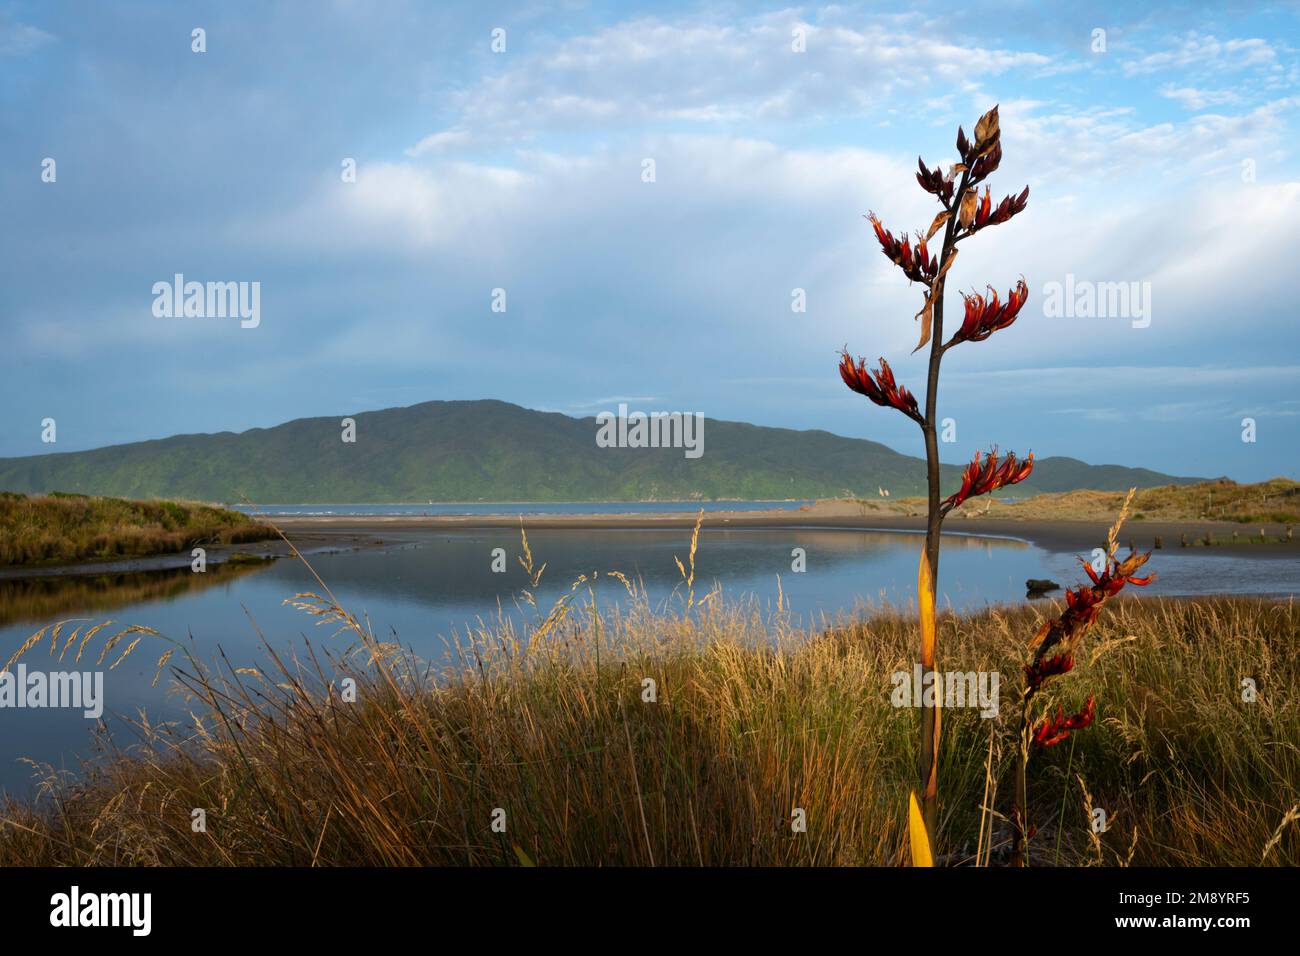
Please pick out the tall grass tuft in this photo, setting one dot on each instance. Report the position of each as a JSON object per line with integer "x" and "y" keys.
{"x": 61, "y": 528}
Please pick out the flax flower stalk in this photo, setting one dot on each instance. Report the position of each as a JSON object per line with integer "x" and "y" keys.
{"x": 963, "y": 213}
{"x": 1054, "y": 647}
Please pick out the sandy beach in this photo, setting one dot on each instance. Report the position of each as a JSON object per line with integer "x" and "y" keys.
{"x": 1052, "y": 535}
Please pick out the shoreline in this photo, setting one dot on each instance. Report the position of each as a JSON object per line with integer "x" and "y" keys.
{"x": 307, "y": 542}
{"x": 1057, "y": 535}
{"x": 316, "y": 534}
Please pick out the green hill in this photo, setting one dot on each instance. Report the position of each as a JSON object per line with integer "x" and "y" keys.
{"x": 494, "y": 451}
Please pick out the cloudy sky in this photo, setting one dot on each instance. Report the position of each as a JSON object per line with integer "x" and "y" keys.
{"x": 1162, "y": 151}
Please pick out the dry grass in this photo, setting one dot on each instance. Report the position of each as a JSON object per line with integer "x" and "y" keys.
{"x": 59, "y": 528}
{"x": 752, "y": 718}
{"x": 1267, "y": 502}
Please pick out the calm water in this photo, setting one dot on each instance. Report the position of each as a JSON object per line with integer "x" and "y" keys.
{"x": 525, "y": 508}
{"x": 428, "y": 584}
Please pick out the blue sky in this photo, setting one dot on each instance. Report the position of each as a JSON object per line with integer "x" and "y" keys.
{"x": 522, "y": 170}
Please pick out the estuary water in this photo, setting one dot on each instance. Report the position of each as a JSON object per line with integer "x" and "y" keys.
{"x": 423, "y": 586}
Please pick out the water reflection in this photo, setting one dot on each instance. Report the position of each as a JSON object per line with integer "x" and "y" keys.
{"x": 47, "y": 598}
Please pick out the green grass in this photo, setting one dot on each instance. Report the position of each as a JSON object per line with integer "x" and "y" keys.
{"x": 1267, "y": 502}
{"x": 63, "y": 528}
{"x": 753, "y": 718}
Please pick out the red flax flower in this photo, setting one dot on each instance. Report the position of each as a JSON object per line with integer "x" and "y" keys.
{"x": 980, "y": 479}
{"x": 1118, "y": 573}
{"x": 987, "y": 215}
{"x": 965, "y": 148}
{"x": 1055, "y": 729}
{"x": 986, "y": 165}
{"x": 917, "y": 264}
{"x": 934, "y": 181}
{"x": 1084, "y": 604}
{"x": 878, "y": 385}
{"x": 1041, "y": 670}
{"x": 986, "y": 315}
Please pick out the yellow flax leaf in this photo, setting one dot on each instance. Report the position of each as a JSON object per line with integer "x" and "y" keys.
{"x": 919, "y": 838}
{"x": 925, "y": 603}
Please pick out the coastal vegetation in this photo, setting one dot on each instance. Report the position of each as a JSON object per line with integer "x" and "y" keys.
{"x": 1276, "y": 501}
{"x": 696, "y": 731}
{"x": 547, "y": 745}
{"x": 64, "y": 528}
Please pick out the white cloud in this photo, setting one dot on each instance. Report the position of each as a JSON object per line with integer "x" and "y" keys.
{"x": 648, "y": 71}
{"x": 440, "y": 142}
{"x": 1195, "y": 51}
{"x": 399, "y": 206}
{"x": 1113, "y": 149}
{"x": 20, "y": 39}
{"x": 734, "y": 224}
{"x": 1193, "y": 99}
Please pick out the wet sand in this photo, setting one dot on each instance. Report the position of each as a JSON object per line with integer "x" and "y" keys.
{"x": 1051, "y": 535}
